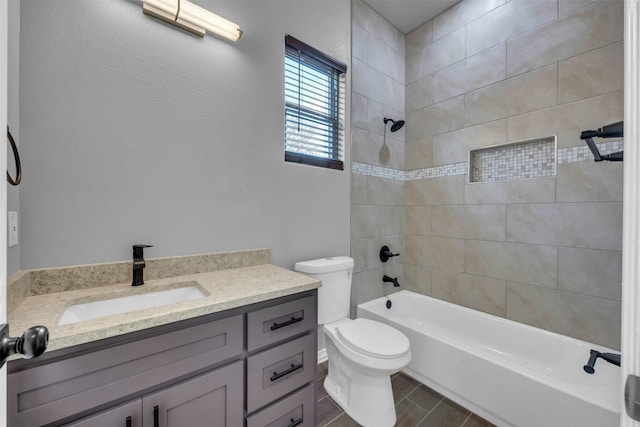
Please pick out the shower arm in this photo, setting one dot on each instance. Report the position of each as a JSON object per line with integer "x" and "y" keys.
{"x": 613, "y": 130}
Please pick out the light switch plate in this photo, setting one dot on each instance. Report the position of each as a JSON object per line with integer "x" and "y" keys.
{"x": 12, "y": 222}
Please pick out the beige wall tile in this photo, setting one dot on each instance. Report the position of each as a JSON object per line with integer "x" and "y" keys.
{"x": 591, "y": 272}
{"x": 536, "y": 265}
{"x": 537, "y": 190}
{"x": 384, "y": 58}
{"x": 366, "y": 286}
{"x": 582, "y": 225}
{"x": 359, "y": 248}
{"x": 590, "y": 182}
{"x": 419, "y": 94}
{"x": 480, "y": 293}
{"x": 359, "y": 112}
{"x": 588, "y": 318}
{"x": 435, "y": 252}
{"x": 418, "y": 38}
{"x": 359, "y": 77}
{"x": 439, "y": 54}
{"x": 418, "y": 154}
{"x": 453, "y": 147}
{"x": 480, "y": 222}
{"x": 593, "y": 73}
{"x": 507, "y": 21}
{"x": 358, "y": 189}
{"x": 384, "y": 191}
{"x": 461, "y": 14}
{"x": 359, "y": 40}
{"x": 474, "y": 72}
{"x": 385, "y": 89}
{"x": 417, "y": 220}
{"x": 373, "y": 221}
{"x": 435, "y": 191}
{"x": 438, "y": 118}
{"x": 548, "y": 44}
{"x": 567, "y": 7}
{"x": 365, "y": 146}
{"x": 417, "y": 278}
{"x": 567, "y": 120}
{"x": 527, "y": 92}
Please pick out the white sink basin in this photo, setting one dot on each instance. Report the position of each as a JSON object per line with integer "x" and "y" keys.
{"x": 93, "y": 310}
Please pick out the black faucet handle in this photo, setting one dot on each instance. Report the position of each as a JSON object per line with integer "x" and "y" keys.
{"x": 385, "y": 253}
{"x": 138, "y": 250}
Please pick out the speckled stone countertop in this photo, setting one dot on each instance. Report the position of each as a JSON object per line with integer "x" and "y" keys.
{"x": 225, "y": 289}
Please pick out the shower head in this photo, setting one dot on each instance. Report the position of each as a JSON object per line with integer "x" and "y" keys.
{"x": 396, "y": 126}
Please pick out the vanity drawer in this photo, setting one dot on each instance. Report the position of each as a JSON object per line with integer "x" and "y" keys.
{"x": 277, "y": 371}
{"x": 274, "y": 324}
{"x": 60, "y": 389}
{"x": 295, "y": 410}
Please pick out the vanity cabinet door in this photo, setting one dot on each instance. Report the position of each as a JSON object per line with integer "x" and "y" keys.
{"x": 127, "y": 415}
{"x": 214, "y": 399}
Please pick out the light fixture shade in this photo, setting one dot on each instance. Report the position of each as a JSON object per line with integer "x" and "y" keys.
{"x": 200, "y": 17}
{"x": 191, "y": 17}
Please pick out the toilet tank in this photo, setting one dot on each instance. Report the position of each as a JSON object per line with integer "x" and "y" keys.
{"x": 334, "y": 296}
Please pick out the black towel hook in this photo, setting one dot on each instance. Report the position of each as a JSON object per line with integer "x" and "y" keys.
{"x": 16, "y": 156}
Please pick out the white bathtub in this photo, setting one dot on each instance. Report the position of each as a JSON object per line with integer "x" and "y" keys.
{"x": 507, "y": 372}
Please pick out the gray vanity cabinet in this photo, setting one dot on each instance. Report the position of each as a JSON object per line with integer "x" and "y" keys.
{"x": 127, "y": 415}
{"x": 215, "y": 396}
{"x": 253, "y": 364}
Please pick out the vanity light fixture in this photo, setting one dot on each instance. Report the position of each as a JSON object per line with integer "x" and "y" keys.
{"x": 191, "y": 17}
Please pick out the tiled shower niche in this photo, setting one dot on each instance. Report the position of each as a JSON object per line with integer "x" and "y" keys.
{"x": 535, "y": 158}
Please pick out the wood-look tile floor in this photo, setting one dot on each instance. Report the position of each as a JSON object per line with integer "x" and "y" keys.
{"x": 416, "y": 406}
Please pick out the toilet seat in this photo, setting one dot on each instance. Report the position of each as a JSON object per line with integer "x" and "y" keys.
{"x": 373, "y": 339}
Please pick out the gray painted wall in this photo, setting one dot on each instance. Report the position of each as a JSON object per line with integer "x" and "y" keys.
{"x": 132, "y": 131}
{"x": 13, "y": 120}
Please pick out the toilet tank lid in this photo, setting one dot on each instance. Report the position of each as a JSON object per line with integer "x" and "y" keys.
{"x": 325, "y": 265}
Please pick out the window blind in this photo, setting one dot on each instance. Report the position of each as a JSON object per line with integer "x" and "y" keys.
{"x": 314, "y": 109}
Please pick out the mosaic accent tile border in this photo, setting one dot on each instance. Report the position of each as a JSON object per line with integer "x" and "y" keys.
{"x": 564, "y": 155}
{"x": 521, "y": 160}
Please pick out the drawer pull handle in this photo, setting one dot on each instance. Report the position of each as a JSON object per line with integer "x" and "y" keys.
{"x": 277, "y": 375}
{"x": 294, "y": 423}
{"x": 156, "y": 416}
{"x": 127, "y": 422}
{"x": 287, "y": 323}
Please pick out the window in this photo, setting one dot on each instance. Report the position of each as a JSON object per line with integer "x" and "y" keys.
{"x": 314, "y": 106}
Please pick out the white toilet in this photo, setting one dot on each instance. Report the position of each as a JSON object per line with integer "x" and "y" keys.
{"x": 362, "y": 353}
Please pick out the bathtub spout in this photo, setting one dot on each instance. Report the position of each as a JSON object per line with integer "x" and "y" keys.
{"x": 393, "y": 280}
{"x": 609, "y": 357}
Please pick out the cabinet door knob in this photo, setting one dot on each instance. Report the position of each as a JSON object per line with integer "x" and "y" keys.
{"x": 127, "y": 422}
{"x": 295, "y": 423}
{"x": 32, "y": 343}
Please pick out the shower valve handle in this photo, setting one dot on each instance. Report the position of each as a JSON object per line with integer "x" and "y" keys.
{"x": 385, "y": 254}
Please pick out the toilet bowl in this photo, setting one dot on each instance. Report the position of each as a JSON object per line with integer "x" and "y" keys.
{"x": 362, "y": 353}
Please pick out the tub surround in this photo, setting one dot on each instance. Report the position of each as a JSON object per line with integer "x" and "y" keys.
{"x": 229, "y": 279}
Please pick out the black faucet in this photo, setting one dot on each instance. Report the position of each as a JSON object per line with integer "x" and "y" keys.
{"x": 138, "y": 264}
{"x": 609, "y": 357}
{"x": 393, "y": 280}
